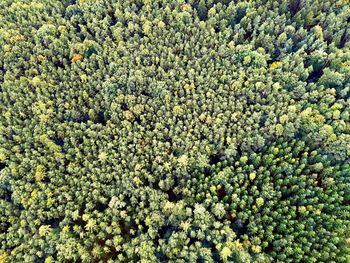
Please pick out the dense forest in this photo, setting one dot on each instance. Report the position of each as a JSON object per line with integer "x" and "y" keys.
{"x": 175, "y": 131}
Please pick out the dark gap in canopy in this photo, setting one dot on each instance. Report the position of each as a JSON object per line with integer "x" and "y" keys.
{"x": 294, "y": 7}
{"x": 59, "y": 141}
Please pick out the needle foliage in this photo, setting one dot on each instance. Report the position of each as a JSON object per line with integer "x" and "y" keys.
{"x": 174, "y": 131}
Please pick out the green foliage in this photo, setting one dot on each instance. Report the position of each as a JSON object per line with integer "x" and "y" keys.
{"x": 174, "y": 131}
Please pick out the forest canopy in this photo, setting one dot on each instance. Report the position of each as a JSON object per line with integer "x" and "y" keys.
{"x": 174, "y": 131}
